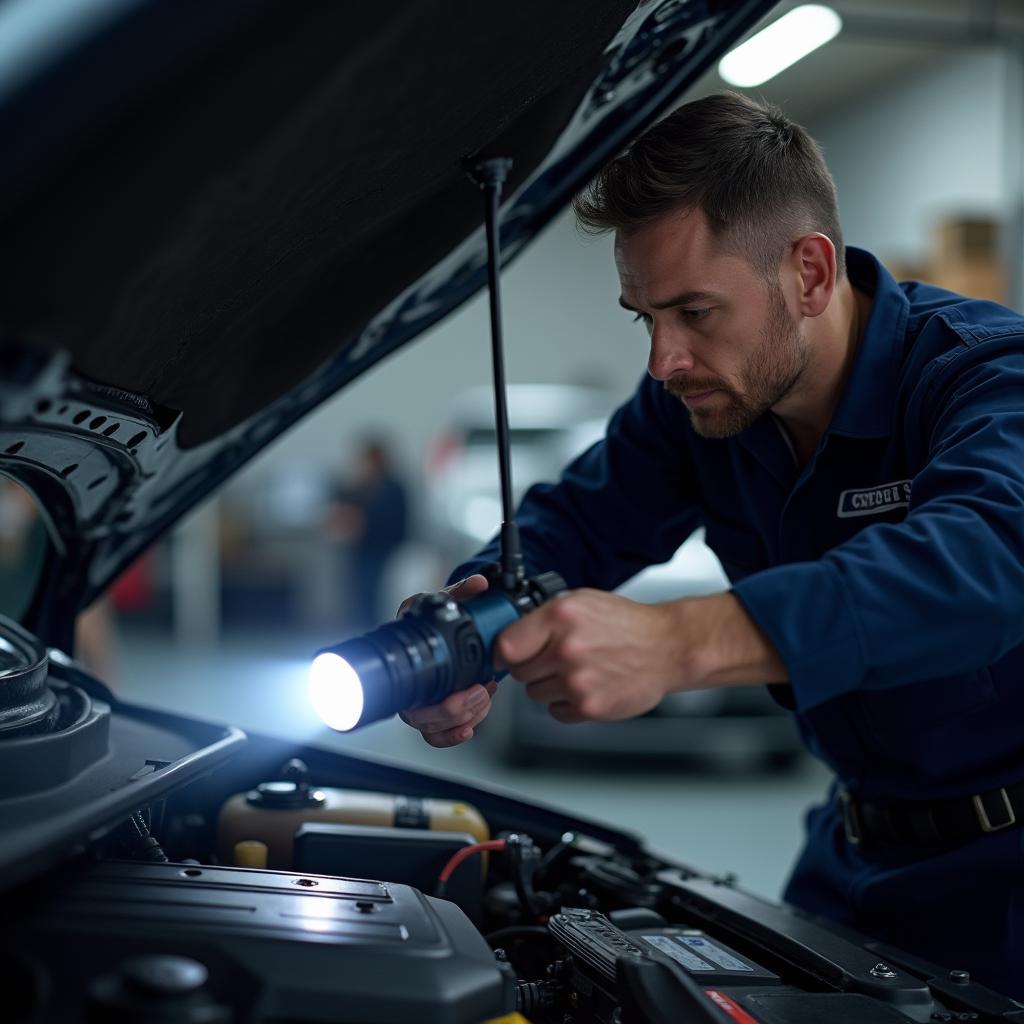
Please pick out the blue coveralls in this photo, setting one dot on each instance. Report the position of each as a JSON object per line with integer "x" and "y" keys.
{"x": 889, "y": 574}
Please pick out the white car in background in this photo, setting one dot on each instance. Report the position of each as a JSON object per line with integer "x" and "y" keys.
{"x": 549, "y": 425}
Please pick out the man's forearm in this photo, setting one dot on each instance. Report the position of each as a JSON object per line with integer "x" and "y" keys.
{"x": 721, "y": 645}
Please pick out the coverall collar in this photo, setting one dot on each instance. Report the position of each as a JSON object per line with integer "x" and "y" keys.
{"x": 865, "y": 408}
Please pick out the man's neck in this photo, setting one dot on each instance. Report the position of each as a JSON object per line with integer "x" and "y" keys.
{"x": 833, "y": 339}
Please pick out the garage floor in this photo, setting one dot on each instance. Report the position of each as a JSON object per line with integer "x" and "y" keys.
{"x": 749, "y": 825}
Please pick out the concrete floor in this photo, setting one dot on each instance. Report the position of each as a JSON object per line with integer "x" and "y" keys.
{"x": 750, "y": 825}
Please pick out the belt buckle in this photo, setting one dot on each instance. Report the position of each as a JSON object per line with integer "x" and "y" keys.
{"x": 851, "y": 820}
{"x": 983, "y": 818}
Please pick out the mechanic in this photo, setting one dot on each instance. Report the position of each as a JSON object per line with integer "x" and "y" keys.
{"x": 854, "y": 449}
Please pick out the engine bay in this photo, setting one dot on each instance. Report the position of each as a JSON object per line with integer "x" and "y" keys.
{"x": 159, "y": 868}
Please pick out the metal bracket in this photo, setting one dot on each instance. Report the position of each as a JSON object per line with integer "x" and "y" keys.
{"x": 983, "y": 818}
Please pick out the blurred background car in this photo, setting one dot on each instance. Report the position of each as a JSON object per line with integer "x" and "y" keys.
{"x": 734, "y": 728}
{"x": 548, "y": 425}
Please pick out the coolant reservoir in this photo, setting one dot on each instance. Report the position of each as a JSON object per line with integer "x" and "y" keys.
{"x": 273, "y": 812}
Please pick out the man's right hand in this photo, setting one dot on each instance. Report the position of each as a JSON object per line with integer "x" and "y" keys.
{"x": 453, "y": 720}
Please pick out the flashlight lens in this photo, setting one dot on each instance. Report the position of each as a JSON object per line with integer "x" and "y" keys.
{"x": 336, "y": 691}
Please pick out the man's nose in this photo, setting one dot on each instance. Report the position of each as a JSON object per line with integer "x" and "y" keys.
{"x": 670, "y": 354}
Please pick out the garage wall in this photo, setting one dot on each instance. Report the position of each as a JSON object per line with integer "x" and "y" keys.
{"x": 919, "y": 148}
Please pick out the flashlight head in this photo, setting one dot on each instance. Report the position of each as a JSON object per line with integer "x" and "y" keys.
{"x": 355, "y": 682}
{"x": 440, "y": 645}
{"x": 336, "y": 691}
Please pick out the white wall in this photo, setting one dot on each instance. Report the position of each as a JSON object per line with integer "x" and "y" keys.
{"x": 917, "y": 149}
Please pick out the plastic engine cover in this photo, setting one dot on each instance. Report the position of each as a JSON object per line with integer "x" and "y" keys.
{"x": 274, "y": 944}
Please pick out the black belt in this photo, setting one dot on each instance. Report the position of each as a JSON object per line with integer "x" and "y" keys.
{"x": 931, "y": 823}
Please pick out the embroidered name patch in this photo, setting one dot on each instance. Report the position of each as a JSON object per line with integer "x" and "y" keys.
{"x": 870, "y": 501}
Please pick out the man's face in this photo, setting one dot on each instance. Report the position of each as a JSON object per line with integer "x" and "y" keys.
{"x": 722, "y": 340}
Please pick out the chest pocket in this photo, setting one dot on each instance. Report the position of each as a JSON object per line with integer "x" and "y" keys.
{"x": 740, "y": 551}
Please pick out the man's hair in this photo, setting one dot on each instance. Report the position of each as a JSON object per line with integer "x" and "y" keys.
{"x": 760, "y": 179}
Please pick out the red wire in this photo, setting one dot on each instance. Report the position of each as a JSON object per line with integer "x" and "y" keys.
{"x": 468, "y": 851}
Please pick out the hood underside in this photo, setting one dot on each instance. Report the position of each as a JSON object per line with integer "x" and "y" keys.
{"x": 223, "y": 230}
{"x": 220, "y": 214}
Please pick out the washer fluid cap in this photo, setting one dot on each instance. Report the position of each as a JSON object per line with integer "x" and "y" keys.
{"x": 285, "y": 795}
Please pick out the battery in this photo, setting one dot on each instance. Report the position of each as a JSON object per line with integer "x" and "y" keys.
{"x": 709, "y": 962}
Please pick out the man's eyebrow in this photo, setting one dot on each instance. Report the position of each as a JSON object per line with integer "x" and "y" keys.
{"x": 682, "y": 299}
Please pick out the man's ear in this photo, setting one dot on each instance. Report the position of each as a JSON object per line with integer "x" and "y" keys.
{"x": 814, "y": 262}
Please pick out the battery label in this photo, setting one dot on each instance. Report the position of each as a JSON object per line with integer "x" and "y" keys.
{"x": 723, "y": 1002}
{"x": 717, "y": 955}
{"x": 689, "y": 960}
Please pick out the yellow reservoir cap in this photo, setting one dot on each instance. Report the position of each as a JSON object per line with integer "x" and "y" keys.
{"x": 509, "y": 1018}
{"x": 250, "y": 853}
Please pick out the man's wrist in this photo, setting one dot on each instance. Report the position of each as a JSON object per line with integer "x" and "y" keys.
{"x": 717, "y": 643}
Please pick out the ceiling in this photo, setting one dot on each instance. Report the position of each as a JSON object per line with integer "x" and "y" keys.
{"x": 881, "y": 42}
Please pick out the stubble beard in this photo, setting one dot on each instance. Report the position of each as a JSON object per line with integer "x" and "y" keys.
{"x": 771, "y": 372}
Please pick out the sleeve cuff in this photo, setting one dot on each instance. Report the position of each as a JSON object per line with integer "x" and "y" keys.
{"x": 803, "y": 609}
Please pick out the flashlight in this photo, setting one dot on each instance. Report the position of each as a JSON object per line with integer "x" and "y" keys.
{"x": 439, "y": 645}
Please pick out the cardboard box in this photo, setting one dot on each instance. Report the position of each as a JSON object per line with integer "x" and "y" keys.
{"x": 966, "y": 258}
{"x": 980, "y": 280}
{"x": 904, "y": 270}
{"x": 966, "y": 240}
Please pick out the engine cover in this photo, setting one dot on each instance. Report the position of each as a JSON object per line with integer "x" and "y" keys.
{"x": 127, "y": 941}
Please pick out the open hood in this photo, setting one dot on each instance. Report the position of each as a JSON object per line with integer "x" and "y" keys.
{"x": 216, "y": 215}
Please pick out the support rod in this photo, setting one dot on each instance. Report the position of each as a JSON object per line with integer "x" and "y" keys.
{"x": 490, "y": 175}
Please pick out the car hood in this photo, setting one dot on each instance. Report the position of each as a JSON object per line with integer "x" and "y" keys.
{"x": 216, "y": 215}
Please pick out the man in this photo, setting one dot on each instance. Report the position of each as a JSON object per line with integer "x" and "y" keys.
{"x": 855, "y": 450}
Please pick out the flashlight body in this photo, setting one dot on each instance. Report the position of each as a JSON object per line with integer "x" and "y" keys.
{"x": 438, "y": 646}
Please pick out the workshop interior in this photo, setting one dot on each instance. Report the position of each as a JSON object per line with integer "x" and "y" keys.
{"x": 293, "y": 311}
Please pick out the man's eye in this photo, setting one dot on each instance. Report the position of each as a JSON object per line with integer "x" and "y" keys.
{"x": 695, "y": 315}
{"x": 641, "y": 316}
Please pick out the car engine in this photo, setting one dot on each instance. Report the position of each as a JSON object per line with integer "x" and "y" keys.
{"x": 162, "y": 869}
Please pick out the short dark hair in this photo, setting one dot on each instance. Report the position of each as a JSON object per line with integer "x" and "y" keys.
{"x": 760, "y": 179}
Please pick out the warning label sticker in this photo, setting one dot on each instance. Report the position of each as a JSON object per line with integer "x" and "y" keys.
{"x": 681, "y": 954}
{"x": 709, "y": 951}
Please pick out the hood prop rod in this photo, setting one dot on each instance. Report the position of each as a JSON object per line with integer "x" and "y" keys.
{"x": 490, "y": 175}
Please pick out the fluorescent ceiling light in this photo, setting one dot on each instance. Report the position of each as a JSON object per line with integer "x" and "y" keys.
{"x": 782, "y": 43}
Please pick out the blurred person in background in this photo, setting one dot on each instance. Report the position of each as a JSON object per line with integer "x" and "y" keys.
{"x": 370, "y": 511}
